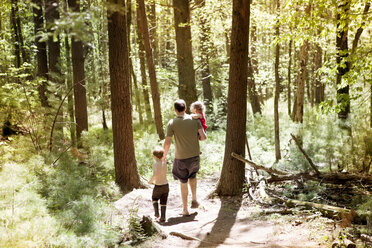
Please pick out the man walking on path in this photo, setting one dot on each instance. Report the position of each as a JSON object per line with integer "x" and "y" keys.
{"x": 187, "y": 133}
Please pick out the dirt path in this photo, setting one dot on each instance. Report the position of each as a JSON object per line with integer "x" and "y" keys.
{"x": 227, "y": 222}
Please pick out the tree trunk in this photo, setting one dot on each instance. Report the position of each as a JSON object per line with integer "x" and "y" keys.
{"x": 289, "y": 76}
{"x": 126, "y": 174}
{"x": 233, "y": 171}
{"x": 151, "y": 67}
{"x": 370, "y": 109}
{"x": 70, "y": 98}
{"x": 41, "y": 53}
{"x": 153, "y": 30}
{"x": 205, "y": 49}
{"x": 277, "y": 89}
{"x": 319, "y": 86}
{"x": 141, "y": 53}
{"x": 252, "y": 70}
{"x": 185, "y": 64}
{"x": 343, "y": 98}
{"x": 81, "y": 113}
{"x": 17, "y": 49}
{"x": 54, "y": 54}
{"x": 298, "y": 111}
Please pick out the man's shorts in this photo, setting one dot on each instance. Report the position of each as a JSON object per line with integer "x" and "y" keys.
{"x": 183, "y": 169}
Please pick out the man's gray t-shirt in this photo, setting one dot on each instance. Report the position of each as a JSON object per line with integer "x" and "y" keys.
{"x": 185, "y": 131}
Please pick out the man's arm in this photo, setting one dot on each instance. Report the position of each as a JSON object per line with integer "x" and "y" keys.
{"x": 202, "y": 135}
{"x": 167, "y": 143}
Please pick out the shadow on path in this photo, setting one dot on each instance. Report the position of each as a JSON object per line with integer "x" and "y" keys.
{"x": 225, "y": 221}
{"x": 181, "y": 219}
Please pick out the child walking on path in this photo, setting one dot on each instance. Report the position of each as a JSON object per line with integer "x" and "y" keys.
{"x": 159, "y": 178}
{"x": 197, "y": 109}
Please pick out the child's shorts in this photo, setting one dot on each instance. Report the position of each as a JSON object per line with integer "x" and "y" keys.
{"x": 160, "y": 192}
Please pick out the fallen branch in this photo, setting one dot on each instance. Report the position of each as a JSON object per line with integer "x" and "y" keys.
{"x": 366, "y": 238}
{"x": 183, "y": 236}
{"x": 327, "y": 210}
{"x": 256, "y": 166}
{"x": 306, "y": 156}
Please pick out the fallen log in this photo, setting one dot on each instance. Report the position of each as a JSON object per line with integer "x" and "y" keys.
{"x": 334, "y": 178}
{"x": 258, "y": 167}
{"x": 366, "y": 238}
{"x": 344, "y": 214}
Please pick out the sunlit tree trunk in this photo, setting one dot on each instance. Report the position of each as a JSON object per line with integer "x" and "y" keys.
{"x": 70, "y": 98}
{"x": 289, "y": 76}
{"x": 126, "y": 174}
{"x": 41, "y": 53}
{"x": 151, "y": 67}
{"x": 17, "y": 49}
{"x": 153, "y": 29}
{"x": 343, "y": 98}
{"x": 205, "y": 50}
{"x": 319, "y": 86}
{"x": 54, "y": 55}
{"x": 277, "y": 89}
{"x": 78, "y": 60}
{"x": 185, "y": 64}
{"x": 233, "y": 170}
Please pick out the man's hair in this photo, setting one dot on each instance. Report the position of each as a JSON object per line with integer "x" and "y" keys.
{"x": 180, "y": 105}
{"x": 198, "y": 105}
{"x": 158, "y": 152}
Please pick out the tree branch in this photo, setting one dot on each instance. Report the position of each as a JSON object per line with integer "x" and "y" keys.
{"x": 306, "y": 156}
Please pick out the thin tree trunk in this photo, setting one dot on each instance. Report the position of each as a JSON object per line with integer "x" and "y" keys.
{"x": 252, "y": 70}
{"x": 41, "y": 53}
{"x": 153, "y": 30}
{"x": 319, "y": 86}
{"x": 54, "y": 54}
{"x": 277, "y": 89}
{"x": 343, "y": 98}
{"x": 70, "y": 98}
{"x": 136, "y": 93}
{"x": 141, "y": 53}
{"x": 298, "y": 110}
{"x": 17, "y": 49}
{"x": 151, "y": 67}
{"x": 205, "y": 49}
{"x": 233, "y": 172}
{"x": 126, "y": 173}
{"x": 185, "y": 64}
{"x": 289, "y": 76}
{"x": 78, "y": 60}
{"x": 370, "y": 109}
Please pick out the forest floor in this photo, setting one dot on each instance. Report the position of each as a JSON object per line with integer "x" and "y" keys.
{"x": 228, "y": 221}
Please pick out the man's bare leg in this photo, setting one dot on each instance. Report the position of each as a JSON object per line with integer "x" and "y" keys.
{"x": 184, "y": 193}
{"x": 193, "y": 184}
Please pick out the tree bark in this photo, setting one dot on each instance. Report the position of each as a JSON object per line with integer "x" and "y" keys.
{"x": 153, "y": 30}
{"x": 319, "y": 86}
{"x": 54, "y": 54}
{"x": 70, "y": 98}
{"x": 17, "y": 49}
{"x": 277, "y": 89}
{"x": 151, "y": 67}
{"x": 252, "y": 69}
{"x": 185, "y": 64}
{"x": 343, "y": 98}
{"x": 41, "y": 53}
{"x": 141, "y": 53}
{"x": 205, "y": 50}
{"x": 298, "y": 110}
{"x": 233, "y": 171}
{"x": 289, "y": 76}
{"x": 81, "y": 113}
{"x": 126, "y": 174}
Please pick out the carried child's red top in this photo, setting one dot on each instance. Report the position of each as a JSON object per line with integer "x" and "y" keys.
{"x": 202, "y": 120}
